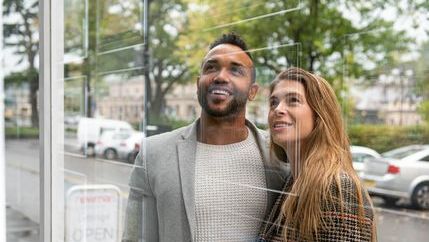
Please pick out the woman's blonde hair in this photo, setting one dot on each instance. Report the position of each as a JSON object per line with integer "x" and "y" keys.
{"x": 323, "y": 158}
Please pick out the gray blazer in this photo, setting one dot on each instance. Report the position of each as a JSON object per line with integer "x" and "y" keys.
{"x": 161, "y": 201}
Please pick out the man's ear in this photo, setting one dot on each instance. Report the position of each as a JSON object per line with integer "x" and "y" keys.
{"x": 253, "y": 91}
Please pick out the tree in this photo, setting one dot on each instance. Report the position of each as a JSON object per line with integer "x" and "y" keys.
{"x": 111, "y": 32}
{"x": 167, "y": 23}
{"x": 20, "y": 33}
{"x": 316, "y": 35}
{"x": 422, "y": 87}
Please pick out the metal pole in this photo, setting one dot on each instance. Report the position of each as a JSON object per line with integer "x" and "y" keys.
{"x": 45, "y": 125}
{"x": 146, "y": 56}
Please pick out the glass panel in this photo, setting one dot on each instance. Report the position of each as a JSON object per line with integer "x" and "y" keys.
{"x": 119, "y": 88}
{"x": 76, "y": 29}
{"x": 20, "y": 70}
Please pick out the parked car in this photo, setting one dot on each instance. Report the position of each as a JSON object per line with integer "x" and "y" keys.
{"x": 118, "y": 145}
{"x": 131, "y": 147}
{"x": 360, "y": 154}
{"x": 89, "y": 131}
{"x": 400, "y": 173}
{"x": 107, "y": 146}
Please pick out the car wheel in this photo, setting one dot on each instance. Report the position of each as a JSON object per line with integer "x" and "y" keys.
{"x": 110, "y": 154}
{"x": 90, "y": 150}
{"x": 390, "y": 201}
{"x": 420, "y": 198}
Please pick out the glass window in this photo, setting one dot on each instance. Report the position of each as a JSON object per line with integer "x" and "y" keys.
{"x": 19, "y": 79}
{"x": 118, "y": 72}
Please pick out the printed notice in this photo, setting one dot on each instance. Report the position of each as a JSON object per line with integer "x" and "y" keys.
{"x": 92, "y": 213}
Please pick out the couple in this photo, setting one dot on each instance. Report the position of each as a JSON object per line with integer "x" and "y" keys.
{"x": 223, "y": 179}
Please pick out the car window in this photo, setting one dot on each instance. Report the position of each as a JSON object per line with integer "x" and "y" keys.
{"x": 121, "y": 136}
{"x": 360, "y": 157}
{"x": 402, "y": 152}
{"x": 102, "y": 130}
{"x": 426, "y": 158}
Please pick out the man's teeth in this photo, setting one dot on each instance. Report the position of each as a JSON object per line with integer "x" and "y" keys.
{"x": 220, "y": 92}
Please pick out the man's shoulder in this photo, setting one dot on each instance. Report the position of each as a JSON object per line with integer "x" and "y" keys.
{"x": 170, "y": 136}
{"x": 260, "y": 133}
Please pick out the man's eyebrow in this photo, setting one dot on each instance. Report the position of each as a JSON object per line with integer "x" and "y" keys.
{"x": 209, "y": 61}
{"x": 234, "y": 63}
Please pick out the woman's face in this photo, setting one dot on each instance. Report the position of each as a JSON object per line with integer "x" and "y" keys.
{"x": 290, "y": 117}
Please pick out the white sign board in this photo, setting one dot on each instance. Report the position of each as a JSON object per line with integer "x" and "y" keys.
{"x": 92, "y": 213}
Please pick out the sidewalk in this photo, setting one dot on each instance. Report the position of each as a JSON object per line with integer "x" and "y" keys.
{"x": 20, "y": 228}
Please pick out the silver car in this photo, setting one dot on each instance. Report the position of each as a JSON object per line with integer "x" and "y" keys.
{"x": 360, "y": 154}
{"x": 400, "y": 173}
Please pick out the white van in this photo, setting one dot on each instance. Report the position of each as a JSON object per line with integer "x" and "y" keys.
{"x": 89, "y": 131}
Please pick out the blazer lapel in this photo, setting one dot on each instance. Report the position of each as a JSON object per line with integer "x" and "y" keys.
{"x": 186, "y": 149}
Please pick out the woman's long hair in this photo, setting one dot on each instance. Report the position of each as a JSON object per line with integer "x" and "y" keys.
{"x": 321, "y": 161}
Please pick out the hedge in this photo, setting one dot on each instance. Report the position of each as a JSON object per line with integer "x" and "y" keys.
{"x": 22, "y": 132}
{"x": 383, "y": 137}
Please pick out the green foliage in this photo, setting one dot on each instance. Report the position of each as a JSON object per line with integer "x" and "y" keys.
{"x": 318, "y": 36}
{"x": 20, "y": 30}
{"x": 22, "y": 133}
{"x": 422, "y": 72}
{"x": 18, "y": 78}
{"x": 312, "y": 34}
{"x": 383, "y": 137}
{"x": 423, "y": 110}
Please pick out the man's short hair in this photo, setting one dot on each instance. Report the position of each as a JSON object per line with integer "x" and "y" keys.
{"x": 234, "y": 39}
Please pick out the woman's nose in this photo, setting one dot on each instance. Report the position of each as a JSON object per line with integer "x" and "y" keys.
{"x": 280, "y": 109}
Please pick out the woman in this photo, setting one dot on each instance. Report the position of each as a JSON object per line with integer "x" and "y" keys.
{"x": 323, "y": 200}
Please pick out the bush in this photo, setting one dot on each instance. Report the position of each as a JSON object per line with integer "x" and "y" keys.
{"x": 22, "y": 133}
{"x": 383, "y": 137}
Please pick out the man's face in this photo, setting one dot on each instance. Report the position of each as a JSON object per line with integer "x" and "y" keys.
{"x": 225, "y": 82}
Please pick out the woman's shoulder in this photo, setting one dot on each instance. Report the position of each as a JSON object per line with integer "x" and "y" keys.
{"x": 347, "y": 193}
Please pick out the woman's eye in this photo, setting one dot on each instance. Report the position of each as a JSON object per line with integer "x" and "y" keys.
{"x": 293, "y": 100}
{"x": 273, "y": 103}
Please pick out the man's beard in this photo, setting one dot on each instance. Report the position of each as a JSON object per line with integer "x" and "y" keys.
{"x": 235, "y": 106}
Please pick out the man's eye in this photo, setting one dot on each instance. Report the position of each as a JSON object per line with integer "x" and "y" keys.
{"x": 209, "y": 68}
{"x": 237, "y": 70}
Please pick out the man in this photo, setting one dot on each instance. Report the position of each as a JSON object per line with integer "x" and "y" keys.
{"x": 207, "y": 181}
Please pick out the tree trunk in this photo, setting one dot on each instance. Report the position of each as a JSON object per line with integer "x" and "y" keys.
{"x": 157, "y": 105}
{"x": 34, "y": 87}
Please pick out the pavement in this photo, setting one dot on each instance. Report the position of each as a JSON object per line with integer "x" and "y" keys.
{"x": 20, "y": 228}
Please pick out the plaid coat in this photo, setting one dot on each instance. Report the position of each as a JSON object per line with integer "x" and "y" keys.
{"x": 341, "y": 226}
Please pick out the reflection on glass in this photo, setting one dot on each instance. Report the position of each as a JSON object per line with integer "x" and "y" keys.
{"x": 119, "y": 23}
{"x": 104, "y": 89}
{"x": 226, "y": 13}
{"x": 75, "y": 29}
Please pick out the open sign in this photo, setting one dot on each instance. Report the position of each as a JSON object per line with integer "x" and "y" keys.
{"x": 92, "y": 213}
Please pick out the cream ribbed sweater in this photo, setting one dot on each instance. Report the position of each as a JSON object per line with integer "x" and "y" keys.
{"x": 230, "y": 195}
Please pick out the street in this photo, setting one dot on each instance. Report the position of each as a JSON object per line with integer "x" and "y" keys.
{"x": 400, "y": 223}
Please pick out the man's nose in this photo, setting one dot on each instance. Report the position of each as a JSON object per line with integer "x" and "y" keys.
{"x": 222, "y": 76}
